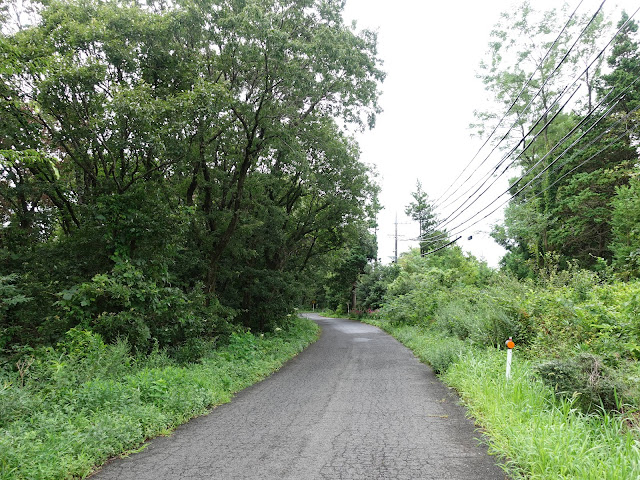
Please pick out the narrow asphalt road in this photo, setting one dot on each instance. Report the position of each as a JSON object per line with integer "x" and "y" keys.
{"x": 354, "y": 405}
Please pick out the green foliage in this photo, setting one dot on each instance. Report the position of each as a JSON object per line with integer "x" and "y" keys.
{"x": 573, "y": 396}
{"x": 586, "y": 381}
{"x": 421, "y": 210}
{"x": 626, "y": 229}
{"x": 10, "y": 296}
{"x": 425, "y": 283}
{"x": 350, "y": 263}
{"x": 601, "y": 319}
{"x": 625, "y": 64}
{"x": 485, "y": 317}
{"x": 126, "y": 304}
{"x": 372, "y": 286}
{"x": 165, "y": 165}
{"x": 84, "y": 401}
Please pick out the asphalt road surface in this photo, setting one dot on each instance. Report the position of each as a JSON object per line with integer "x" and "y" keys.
{"x": 354, "y": 405}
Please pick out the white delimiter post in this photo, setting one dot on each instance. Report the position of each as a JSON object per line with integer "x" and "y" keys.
{"x": 510, "y": 346}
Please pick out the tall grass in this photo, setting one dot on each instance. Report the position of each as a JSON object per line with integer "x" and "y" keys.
{"x": 536, "y": 435}
{"x": 75, "y": 409}
{"x": 543, "y": 438}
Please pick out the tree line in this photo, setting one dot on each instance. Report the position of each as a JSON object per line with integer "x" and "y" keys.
{"x": 579, "y": 164}
{"x": 173, "y": 170}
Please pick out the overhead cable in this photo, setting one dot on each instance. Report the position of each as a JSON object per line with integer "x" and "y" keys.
{"x": 572, "y": 84}
{"x": 606, "y": 114}
{"x": 458, "y": 228}
{"x": 513, "y": 103}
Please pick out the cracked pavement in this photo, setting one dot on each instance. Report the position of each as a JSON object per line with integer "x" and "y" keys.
{"x": 355, "y": 405}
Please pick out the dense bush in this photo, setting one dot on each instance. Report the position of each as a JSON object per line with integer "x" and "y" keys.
{"x": 127, "y": 304}
{"x": 581, "y": 327}
{"x": 603, "y": 319}
{"x": 425, "y": 283}
{"x": 461, "y": 296}
{"x": 586, "y": 381}
{"x": 485, "y": 316}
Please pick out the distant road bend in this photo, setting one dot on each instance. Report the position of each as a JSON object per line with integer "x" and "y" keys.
{"x": 355, "y": 405}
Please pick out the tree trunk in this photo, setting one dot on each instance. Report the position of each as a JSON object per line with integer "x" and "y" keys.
{"x": 354, "y": 299}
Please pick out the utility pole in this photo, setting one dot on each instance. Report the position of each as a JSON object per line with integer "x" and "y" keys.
{"x": 395, "y": 257}
{"x": 397, "y": 238}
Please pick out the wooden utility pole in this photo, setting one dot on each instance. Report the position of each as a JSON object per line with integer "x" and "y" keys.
{"x": 395, "y": 257}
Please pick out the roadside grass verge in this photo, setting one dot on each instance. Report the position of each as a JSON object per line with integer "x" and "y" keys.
{"x": 535, "y": 435}
{"x": 75, "y": 408}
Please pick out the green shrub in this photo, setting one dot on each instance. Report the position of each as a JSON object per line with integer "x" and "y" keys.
{"x": 10, "y": 297}
{"x": 585, "y": 380}
{"x": 414, "y": 297}
{"x": 486, "y": 317}
{"x": 574, "y": 415}
{"x": 453, "y": 318}
{"x": 444, "y": 353}
{"x": 125, "y": 303}
{"x": 193, "y": 350}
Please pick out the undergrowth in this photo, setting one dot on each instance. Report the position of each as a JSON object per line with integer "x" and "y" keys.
{"x": 64, "y": 411}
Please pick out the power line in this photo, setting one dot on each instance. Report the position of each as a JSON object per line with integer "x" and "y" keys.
{"x": 487, "y": 177}
{"x": 513, "y": 149}
{"x": 573, "y": 83}
{"x": 542, "y": 191}
{"x": 605, "y": 115}
{"x": 438, "y": 237}
{"x": 458, "y": 228}
{"x": 440, "y": 248}
{"x": 616, "y": 100}
{"x": 514, "y": 102}
{"x": 524, "y": 110}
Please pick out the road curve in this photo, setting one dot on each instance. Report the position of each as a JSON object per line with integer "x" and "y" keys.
{"x": 354, "y": 405}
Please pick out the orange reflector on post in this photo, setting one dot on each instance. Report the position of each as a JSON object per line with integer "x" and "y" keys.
{"x": 509, "y": 343}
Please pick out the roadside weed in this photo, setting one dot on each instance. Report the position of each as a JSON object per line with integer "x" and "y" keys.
{"x": 77, "y": 409}
{"x": 536, "y": 435}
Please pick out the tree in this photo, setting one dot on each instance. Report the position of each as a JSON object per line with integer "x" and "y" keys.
{"x": 349, "y": 264}
{"x": 582, "y": 226}
{"x": 520, "y": 71}
{"x": 421, "y": 210}
{"x": 190, "y": 145}
{"x": 624, "y": 62}
{"x": 372, "y": 286}
{"x": 564, "y": 213}
{"x": 524, "y": 225}
{"x": 626, "y": 229}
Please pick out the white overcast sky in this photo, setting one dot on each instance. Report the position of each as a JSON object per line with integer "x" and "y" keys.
{"x": 431, "y": 52}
